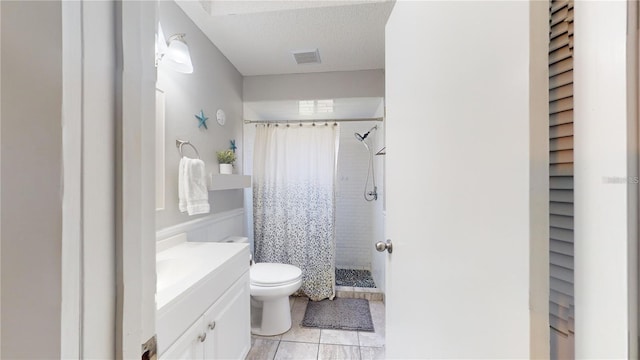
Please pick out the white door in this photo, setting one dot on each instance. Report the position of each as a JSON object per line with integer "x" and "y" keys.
{"x": 457, "y": 170}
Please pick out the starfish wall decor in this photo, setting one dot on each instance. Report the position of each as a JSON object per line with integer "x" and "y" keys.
{"x": 202, "y": 119}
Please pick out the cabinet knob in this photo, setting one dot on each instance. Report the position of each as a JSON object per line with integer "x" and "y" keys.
{"x": 202, "y": 337}
{"x": 212, "y": 325}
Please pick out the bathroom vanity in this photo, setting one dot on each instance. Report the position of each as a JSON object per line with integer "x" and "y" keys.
{"x": 203, "y": 301}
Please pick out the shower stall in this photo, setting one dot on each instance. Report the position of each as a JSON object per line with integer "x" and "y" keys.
{"x": 359, "y": 205}
{"x": 359, "y": 183}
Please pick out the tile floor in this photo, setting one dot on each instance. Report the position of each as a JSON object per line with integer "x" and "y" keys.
{"x": 301, "y": 343}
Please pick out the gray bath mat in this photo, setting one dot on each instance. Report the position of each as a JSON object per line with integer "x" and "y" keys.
{"x": 340, "y": 313}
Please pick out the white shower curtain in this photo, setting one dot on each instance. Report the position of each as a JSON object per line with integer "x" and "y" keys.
{"x": 294, "y": 203}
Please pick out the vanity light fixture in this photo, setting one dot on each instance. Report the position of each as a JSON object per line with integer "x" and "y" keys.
{"x": 173, "y": 53}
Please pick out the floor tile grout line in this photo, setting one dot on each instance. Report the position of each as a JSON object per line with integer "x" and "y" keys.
{"x": 300, "y": 342}
{"x": 276, "y": 352}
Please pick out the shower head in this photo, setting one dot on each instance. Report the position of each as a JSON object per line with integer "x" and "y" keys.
{"x": 362, "y": 137}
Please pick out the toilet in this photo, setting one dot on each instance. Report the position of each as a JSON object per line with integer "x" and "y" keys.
{"x": 271, "y": 286}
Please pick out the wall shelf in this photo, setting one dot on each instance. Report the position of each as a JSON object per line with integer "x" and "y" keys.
{"x": 229, "y": 182}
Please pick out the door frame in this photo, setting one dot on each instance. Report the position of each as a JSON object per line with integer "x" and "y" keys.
{"x": 108, "y": 264}
{"x": 135, "y": 174}
{"x": 87, "y": 316}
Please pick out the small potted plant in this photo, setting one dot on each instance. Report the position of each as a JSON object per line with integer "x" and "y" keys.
{"x": 226, "y": 159}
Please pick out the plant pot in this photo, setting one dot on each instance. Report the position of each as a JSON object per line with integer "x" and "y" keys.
{"x": 226, "y": 169}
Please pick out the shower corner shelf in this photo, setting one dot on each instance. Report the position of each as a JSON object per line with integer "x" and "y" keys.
{"x": 229, "y": 182}
{"x": 382, "y": 151}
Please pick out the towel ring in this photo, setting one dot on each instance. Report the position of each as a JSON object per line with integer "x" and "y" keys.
{"x": 181, "y": 143}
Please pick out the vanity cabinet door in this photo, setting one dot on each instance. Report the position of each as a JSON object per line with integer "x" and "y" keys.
{"x": 228, "y": 323}
{"x": 188, "y": 346}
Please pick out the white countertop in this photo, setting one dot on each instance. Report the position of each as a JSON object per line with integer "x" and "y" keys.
{"x": 182, "y": 266}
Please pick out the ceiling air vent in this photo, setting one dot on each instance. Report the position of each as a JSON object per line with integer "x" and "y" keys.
{"x": 206, "y": 6}
{"x": 307, "y": 56}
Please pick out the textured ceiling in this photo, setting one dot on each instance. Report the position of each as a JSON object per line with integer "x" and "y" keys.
{"x": 260, "y": 38}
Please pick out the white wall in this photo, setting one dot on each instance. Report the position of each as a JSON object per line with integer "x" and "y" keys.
{"x": 327, "y": 85}
{"x": 72, "y": 157}
{"x": 459, "y": 152}
{"x": 0, "y": 183}
{"x": 605, "y": 212}
{"x": 214, "y": 84}
{"x": 31, "y": 207}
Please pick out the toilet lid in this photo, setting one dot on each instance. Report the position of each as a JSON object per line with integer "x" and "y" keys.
{"x": 270, "y": 274}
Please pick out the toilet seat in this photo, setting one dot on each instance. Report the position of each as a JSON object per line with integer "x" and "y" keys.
{"x": 272, "y": 274}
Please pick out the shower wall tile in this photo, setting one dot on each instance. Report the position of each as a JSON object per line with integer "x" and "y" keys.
{"x": 354, "y": 215}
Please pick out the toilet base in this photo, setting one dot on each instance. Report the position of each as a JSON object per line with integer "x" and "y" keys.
{"x": 270, "y": 317}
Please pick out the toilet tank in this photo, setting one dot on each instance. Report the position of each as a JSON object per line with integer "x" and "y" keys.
{"x": 240, "y": 240}
{"x": 236, "y": 239}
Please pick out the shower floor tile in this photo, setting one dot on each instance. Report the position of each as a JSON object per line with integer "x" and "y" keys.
{"x": 354, "y": 278}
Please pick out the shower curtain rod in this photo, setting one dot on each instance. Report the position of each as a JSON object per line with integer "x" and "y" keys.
{"x": 307, "y": 121}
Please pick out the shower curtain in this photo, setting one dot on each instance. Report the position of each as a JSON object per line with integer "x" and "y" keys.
{"x": 293, "y": 201}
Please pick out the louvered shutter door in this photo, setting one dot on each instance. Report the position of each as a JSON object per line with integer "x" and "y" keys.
{"x": 561, "y": 304}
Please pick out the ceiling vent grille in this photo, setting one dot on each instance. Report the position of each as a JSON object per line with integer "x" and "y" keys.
{"x": 206, "y": 6}
{"x": 307, "y": 57}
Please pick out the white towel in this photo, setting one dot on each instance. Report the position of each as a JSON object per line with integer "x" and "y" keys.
{"x": 182, "y": 200}
{"x": 193, "y": 195}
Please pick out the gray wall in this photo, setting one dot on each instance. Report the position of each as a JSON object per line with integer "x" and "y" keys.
{"x": 214, "y": 84}
{"x": 31, "y": 148}
{"x": 327, "y": 85}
